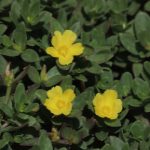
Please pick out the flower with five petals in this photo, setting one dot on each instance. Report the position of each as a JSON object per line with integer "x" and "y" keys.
{"x": 107, "y": 104}
{"x": 64, "y": 48}
{"x": 59, "y": 102}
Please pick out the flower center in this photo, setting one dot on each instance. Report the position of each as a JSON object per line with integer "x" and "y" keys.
{"x": 63, "y": 51}
{"x": 60, "y": 104}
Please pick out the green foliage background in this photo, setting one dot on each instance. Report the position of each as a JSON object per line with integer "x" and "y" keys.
{"x": 116, "y": 36}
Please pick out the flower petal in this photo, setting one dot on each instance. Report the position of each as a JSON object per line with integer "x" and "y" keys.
{"x": 76, "y": 49}
{"x": 69, "y": 95}
{"x": 65, "y": 60}
{"x": 118, "y": 105}
{"x": 50, "y": 105}
{"x": 111, "y": 94}
{"x": 69, "y": 37}
{"x": 97, "y": 99}
{"x": 113, "y": 116}
{"x": 98, "y": 112}
{"x": 57, "y": 39}
{"x": 55, "y": 91}
{"x": 67, "y": 109}
{"x": 52, "y": 51}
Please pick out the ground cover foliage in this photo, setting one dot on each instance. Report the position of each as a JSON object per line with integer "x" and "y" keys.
{"x": 116, "y": 39}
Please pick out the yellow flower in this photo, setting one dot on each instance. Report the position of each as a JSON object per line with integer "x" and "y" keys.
{"x": 107, "y": 104}
{"x": 59, "y": 102}
{"x": 64, "y": 48}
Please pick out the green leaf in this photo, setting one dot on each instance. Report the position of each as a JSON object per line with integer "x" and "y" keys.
{"x": 63, "y": 148}
{"x": 34, "y": 75}
{"x": 5, "y": 140}
{"x": 53, "y": 77}
{"x": 147, "y": 66}
{"x": 147, "y": 108}
{"x": 83, "y": 132}
{"x": 20, "y": 37}
{"x": 102, "y": 135}
{"x": 137, "y": 129}
{"x": 34, "y": 11}
{"x": 55, "y": 25}
{"x": 35, "y": 148}
{"x": 118, "y": 144}
{"x": 30, "y": 55}
{"x": 6, "y": 109}
{"x": 3, "y": 28}
{"x": 3, "y": 64}
{"x": 112, "y": 40}
{"x": 119, "y": 22}
{"x": 144, "y": 145}
{"x": 107, "y": 147}
{"x": 95, "y": 69}
{"x": 33, "y": 107}
{"x": 132, "y": 102}
{"x": 19, "y": 97}
{"x": 25, "y": 5}
{"x": 106, "y": 80}
{"x": 98, "y": 35}
{"x": 94, "y": 7}
{"x": 76, "y": 27}
{"x": 100, "y": 57}
{"x": 31, "y": 11}
{"x": 84, "y": 98}
{"x": 137, "y": 69}
{"x": 81, "y": 78}
{"x": 44, "y": 141}
{"x": 144, "y": 39}
{"x": 133, "y": 8}
{"x": 129, "y": 42}
{"x": 71, "y": 135}
{"x": 140, "y": 87}
{"x": 4, "y": 3}
{"x": 147, "y": 6}
{"x": 118, "y": 6}
{"x": 15, "y": 12}
{"x": 126, "y": 80}
{"x": 9, "y": 52}
{"x": 44, "y": 17}
{"x": 41, "y": 94}
{"x": 142, "y": 23}
{"x": 6, "y": 41}
{"x": 67, "y": 82}
{"x": 30, "y": 119}
{"x": 112, "y": 123}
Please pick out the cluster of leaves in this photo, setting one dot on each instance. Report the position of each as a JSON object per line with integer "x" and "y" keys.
{"x": 116, "y": 37}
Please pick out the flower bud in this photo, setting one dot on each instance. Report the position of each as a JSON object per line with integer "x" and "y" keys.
{"x": 9, "y": 76}
{"x": 43, "y": 73}
{"x": 54, "y": 135}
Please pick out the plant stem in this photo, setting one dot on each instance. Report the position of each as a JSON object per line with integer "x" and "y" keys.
{"x": 19, "y": 77}
{"x": 8, "y": 91}
{"x": 5, "y": 125}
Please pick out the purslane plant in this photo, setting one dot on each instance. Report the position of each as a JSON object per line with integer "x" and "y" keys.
{"x": 105, "y": 105}
{"x": 74, "y": 74}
